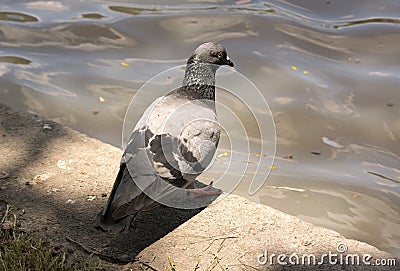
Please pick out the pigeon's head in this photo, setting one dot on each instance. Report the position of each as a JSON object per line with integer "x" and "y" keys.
{"x": 211, "y": 53}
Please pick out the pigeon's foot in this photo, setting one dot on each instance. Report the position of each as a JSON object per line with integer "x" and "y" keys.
{"x": 204, "y": 191}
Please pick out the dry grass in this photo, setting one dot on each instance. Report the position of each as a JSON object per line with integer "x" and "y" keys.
{"x": 21, "y": 251}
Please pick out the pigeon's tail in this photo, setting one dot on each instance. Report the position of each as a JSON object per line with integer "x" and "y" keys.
{"x": 120, "y": 210}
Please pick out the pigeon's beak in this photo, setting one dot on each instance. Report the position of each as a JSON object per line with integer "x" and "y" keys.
{"x": 229, "y": 62}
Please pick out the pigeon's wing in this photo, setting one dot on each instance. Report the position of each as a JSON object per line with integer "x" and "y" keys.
{"x": 169, "y": 143}
{"x": 127, "y": 197}
{"x": 198, "y": 142}
{"x": 185, "y": 138}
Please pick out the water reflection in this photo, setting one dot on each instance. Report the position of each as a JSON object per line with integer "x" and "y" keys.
{"x": 15, "y": 60}
{"x": 17, "y": 17}
{"x": 47, "y": 5}
{"x": 328, "y": 69}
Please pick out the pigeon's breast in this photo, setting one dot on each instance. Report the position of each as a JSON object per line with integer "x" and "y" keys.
{"x": 171, "y": 116}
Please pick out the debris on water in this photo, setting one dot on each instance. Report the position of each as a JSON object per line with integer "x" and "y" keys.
{"x": 356, "y": 195}
{"x": 294, "y": 68}
{"x": 70, "y": 201}
{"x": 92, "y": 16}
{"x": 101, "y": 99}
{"x": 249, "y": 162}
{"x": 47, "y": 126}
{"x": 259, "y": 154}
{"x": 61, "y": 164}
{"x": 95, "y": 111}
{"x": 123, "y": 63}
{"x": 222, "y": 154}
{"x": 91, "y": 198}
{"x": 390, "y": 104}
{"x": 331, "y": 143}
{"x": 357, "y": 60}
{"x": 288, "y": 188}
{"x": 288, "y": 156}
{"x": 315, "y": 153}
{"x": 272, "y": 167}
{"x": 383, "y": 176}
{"x": 306, "y": 72}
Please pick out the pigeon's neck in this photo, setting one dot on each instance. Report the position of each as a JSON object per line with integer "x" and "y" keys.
{"x": 199, "y": 81}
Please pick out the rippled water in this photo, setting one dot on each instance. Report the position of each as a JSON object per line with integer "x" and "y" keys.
{"x": 328, "y": 69}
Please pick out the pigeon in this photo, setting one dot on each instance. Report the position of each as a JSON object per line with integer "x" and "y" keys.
{"x": 173, "y": 142}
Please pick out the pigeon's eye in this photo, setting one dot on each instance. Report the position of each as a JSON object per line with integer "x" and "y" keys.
{"x": 220, "y": 55}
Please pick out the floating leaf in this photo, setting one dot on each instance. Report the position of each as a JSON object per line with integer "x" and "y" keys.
{"x": 356, "y": 195}
{"x": 289, "y": 188}
{"x": 306, "y": 72}
{"x": 315, "y": 153}
{"x": 123, "y": 63}
{"x": 331, "y": 143}
{"x": 259, "y": 154}
{"x": 272, "y": 167}
{"x": 222, "y": 154}
{"x": 294, "y": 68}
{"x": 102, "y": 100}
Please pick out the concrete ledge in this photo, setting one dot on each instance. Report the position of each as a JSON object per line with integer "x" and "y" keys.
{"x": 57, "y": 179}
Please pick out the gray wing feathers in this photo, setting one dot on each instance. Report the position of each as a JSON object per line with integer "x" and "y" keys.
{"x": 175, "y": 142}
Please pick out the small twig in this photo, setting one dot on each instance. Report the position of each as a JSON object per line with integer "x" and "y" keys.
{"x": 222, "y": 268}
{"x": 197, "y": 264}
{"x": 8, "y": 207}
{"x": 224, "y": 237}
{"x": 214, "y": 263}
{"x": 207, "y": 238}
{"x": 221, "y": 245}
{"x": 213, "y": 239}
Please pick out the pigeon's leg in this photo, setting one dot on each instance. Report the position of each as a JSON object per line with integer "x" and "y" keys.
{"x": 204, "y": 191}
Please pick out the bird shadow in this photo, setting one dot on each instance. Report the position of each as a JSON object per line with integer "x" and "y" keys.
{"x": 146, "y": 229}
